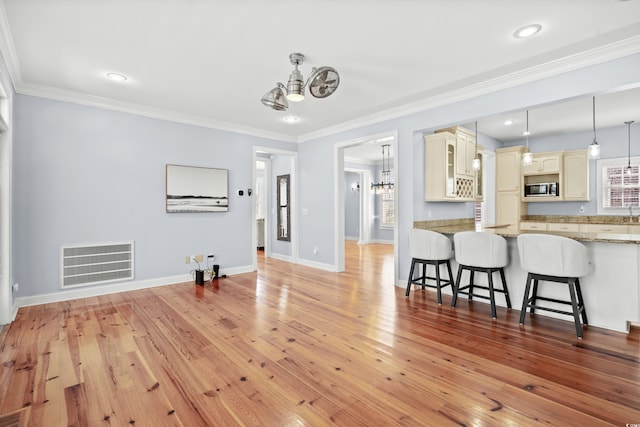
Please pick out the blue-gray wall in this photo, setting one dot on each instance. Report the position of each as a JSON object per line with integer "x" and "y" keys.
{"x": 85, "y": 175}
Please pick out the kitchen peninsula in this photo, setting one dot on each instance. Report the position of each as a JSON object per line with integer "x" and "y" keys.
{"x": 612, "y": 289}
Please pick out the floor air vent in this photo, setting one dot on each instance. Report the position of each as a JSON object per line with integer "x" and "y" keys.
{"x": 93, "y": 264}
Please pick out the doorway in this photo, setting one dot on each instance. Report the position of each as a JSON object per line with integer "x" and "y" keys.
{"x": 268, "y": 165}
{"x": 377, "y": 217}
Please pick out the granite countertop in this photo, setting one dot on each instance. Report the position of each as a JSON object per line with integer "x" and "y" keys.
{"x": 467, "y": 224}
{"x": 584, "y": 219}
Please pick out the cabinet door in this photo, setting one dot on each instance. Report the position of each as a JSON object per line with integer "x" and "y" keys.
{"x": 563, "y": 226}
{"x": 528, "y": 225}
{"x": 605, "y": 228}
{"x": 532, "y": 169}
{"x": 508, "y": 208}
{"x": 508, "y": 171}
{"x": 576, "y": 175}
{"x": 550, "y": 164}
{"x": 450, "y": 176}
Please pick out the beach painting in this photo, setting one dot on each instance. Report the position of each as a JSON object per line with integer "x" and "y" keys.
{"x": 197, "y": 189}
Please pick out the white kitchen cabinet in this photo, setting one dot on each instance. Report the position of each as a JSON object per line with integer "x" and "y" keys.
{"x": 439, "y": 167}
{"x": 576, "y": 175}
{"x": 604, "y": 228}
{"x": 509, "y": 206}
{"x": 563, "y": 226}
{"x": 449, "y": 173}
{"x": 530, "y": 225}
{"x": 544, "y": 164}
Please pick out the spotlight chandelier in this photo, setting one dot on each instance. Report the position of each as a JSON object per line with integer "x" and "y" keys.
{"x": 322, "y": 82}
{"x": 386, "y": 186}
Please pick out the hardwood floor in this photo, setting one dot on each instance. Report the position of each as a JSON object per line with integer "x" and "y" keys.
{"x": 296, "y": 346}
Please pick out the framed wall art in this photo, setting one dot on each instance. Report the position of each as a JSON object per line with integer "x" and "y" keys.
{"x": 196, "y": 189}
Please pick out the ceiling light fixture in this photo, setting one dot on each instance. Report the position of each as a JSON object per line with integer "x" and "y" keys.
{"x": 291, "y": 119}
{"x": 386, "y": 186}
{"x": 527, "y": 156}
{"x": 476, "y": 160}
{"x": 594, "y": 148}
{"x": 629, "y": 168}
{"x": 509, "y": 122}
{"x": 322, "y": 82}
{"x": 527, "y": 31}
{"x": 117, "y": 77}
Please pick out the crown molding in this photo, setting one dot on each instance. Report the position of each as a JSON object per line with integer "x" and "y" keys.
{"x": 141, "y": 110}
{"x": 596, "y": 56}
{"x": 7, "y": 48}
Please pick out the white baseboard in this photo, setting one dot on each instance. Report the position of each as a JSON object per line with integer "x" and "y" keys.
{"x": 318, "y": 265}
{"x": 113, "y": 288}
{"x": 282, "y": 257}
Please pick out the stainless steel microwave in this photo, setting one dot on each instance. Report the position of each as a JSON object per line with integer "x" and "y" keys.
{"x": 546, "y": 189}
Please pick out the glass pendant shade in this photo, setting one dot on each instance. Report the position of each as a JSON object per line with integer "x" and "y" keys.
{"x": 527, "y": 156}
{"x": 594, "y": 148}
{"x": 476, "y": 161}
{"x": 476, "y": 164}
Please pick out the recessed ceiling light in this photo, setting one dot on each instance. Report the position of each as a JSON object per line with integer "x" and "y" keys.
{"x": 527, "y": 31}
{"x": 291, "y": 119}
{"x": 526, "y": 132}
{"x": 117, "y": 77}
{"x": 509, "y": 122}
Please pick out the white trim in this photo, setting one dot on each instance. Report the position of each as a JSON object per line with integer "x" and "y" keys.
{"x": 318, "y": 265}
{"x": 338, "y": 197}
{"x": 8, "y": 48}
{"x": 283, "y": 257}
{"x": 566, "y": 64}
{"x": 295, "y": 233}
{"x": 94, "y": 291}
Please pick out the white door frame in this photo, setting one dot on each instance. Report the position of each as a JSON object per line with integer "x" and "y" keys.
{"x": 364, "y": 220}
{"x": 294, "y": 204}
{"x": 338, "y": 202}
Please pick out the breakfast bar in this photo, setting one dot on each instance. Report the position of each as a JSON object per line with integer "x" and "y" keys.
{"x": 612, "y": 289}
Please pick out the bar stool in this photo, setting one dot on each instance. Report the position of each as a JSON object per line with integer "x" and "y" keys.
{"x": 557, "y": 259}
{"x": 485, "y": 253}
{"x": 427, "y": 247}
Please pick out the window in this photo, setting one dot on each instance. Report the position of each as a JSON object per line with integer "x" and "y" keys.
{"x": 388, "y": 213}
{"x": 618, "y": 188}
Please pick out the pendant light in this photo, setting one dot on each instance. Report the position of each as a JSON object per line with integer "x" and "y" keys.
{"x": 629, "y": 168}
{"x": 527, "y": 157}
{"x": 476, "y": 160}
{"x": 594, "y": 148}
{"x": 386, "y": 186}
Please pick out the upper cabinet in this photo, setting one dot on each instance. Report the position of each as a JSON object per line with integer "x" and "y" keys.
{"x": 552, "y": 177}
{"x": 449, "y": 173}
{"x": 576, "y": 175}
{"x": 544, "y": 164}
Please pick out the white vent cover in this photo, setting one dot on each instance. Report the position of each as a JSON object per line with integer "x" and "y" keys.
{"x": 97, "y": 263}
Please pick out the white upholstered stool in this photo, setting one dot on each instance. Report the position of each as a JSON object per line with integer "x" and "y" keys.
{"x": 429, "y": 248}
{"x": 554, "y": 259}
{"x": 480, "y": 252}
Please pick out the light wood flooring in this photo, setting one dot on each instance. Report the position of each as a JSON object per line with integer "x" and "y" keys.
{"x": 296, "y": 346}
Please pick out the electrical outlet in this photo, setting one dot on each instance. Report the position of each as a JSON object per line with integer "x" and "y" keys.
{"x": 187, "y": 259}
{"x": 199, "y": 258}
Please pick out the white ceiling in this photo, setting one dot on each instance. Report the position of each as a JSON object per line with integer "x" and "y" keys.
{"x": 209, "y": 62}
